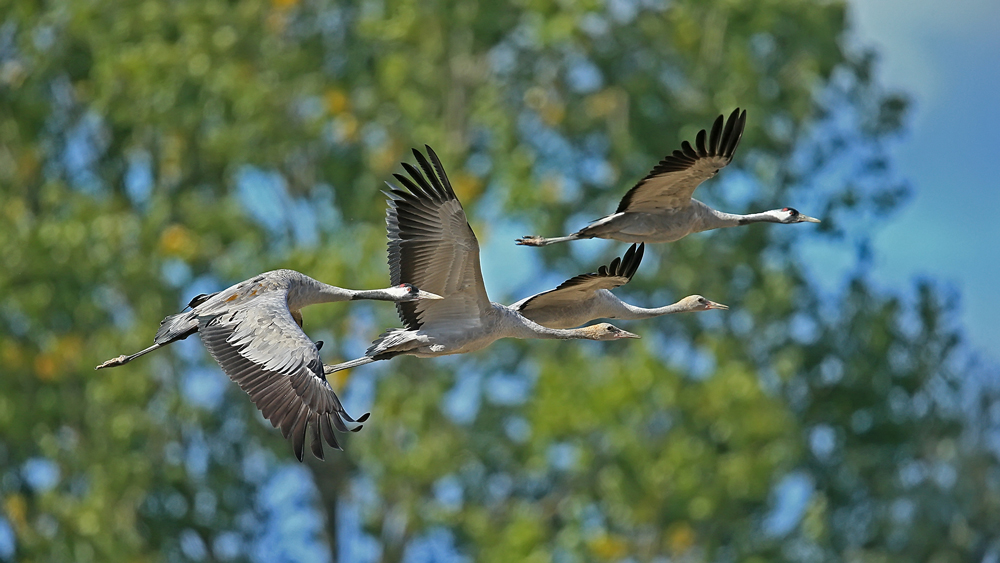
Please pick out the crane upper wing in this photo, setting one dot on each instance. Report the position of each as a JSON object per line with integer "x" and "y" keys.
{"x": 432, "y": 246}
{"x": 580, "y": 288}
{"x": 671, "y": 182}
{"x": 261, "y": 347}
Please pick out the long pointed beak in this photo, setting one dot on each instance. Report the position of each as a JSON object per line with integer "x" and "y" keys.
{"x": 720, "y": 306}
{"x": 807, "y": 219}
{"x": 421, "y": 294}
{"x": 627, "y": 334}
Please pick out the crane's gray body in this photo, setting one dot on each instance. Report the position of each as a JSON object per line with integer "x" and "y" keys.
{"x": 500, "y": 321}
{"x": 285, "y": 289}
{"x": 600, "y": 304}
{"x": 666, "y": 225}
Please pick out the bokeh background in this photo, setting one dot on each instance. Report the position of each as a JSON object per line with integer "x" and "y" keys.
{"x": 845, "y": 409}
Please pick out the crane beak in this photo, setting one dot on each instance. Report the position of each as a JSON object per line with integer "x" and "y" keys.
{"x": 807, "y": 219}
{"x": 421, "y": 294}
{"x": 720, "y": 306}
{"x": 627, "y": 334}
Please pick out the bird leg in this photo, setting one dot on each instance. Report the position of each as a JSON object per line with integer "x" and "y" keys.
{"x": 123, "y": 359}
{"x": 534, "y": 240}
{"x": 328, "y": 369}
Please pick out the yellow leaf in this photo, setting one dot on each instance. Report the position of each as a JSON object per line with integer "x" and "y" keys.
{"x": 17, "y": 511}
{"x": 467, "y": 187}
{"x": 336, "y": 101}
{"x": 340, "y": 379}
{"x": 176, "y": 241}
{"x": 680, "y": 537}
{"x": 46, "y": 367}
{"x": 608, "y": 546}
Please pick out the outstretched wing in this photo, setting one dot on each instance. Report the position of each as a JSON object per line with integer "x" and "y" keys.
{"x": 578, "y": 289}
{"x": 432, "y": 246}
{"x": 261, "y": 347}
{"x": 670, "y": 184}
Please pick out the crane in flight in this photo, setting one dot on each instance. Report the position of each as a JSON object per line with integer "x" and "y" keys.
{"x": 586, "y": 297}
{"x": 432, "y": 245}
{"x": 660, "y": 207}
{"x": 254, "y": 331}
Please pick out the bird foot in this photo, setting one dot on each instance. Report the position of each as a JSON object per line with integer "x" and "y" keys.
{"x": 114, "y": 362}
{"x": 530, "y": 240}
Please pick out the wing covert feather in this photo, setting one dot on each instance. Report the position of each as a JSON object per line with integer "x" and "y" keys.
{"x": 670, "y": 184}
{"x": 582, "y": 287}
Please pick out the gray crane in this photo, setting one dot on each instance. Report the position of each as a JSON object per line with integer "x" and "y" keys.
{"x": 660, "y": 207}
{"x": 432, "y": 244}
{"x": 254, "y": 331}
{"x": 584, "y": 298}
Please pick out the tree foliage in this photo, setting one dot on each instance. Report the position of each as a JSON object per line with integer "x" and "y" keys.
{"x": 150, "y": 151}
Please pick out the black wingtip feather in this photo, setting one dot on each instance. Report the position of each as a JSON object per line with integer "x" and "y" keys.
{"x": 425, "y": 188}
{"x": 316, "y": 443}
{"x": 429, "y": 171}
{"x": 740, "y": 126}
{"x": 700, "y": 143}
{"x": 688, "y": 150}
{"x": 328, "y": 434}
{"x": 716, "y": 137}
{"x": 440, "y": 171}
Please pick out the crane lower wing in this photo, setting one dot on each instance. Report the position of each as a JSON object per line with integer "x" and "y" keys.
{"x": 264, "y": 351}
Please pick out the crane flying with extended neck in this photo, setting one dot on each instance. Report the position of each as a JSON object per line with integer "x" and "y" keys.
{"x": 586, "y": 297}
{"x": 660, "y": 207}
{"x": 432, "y": 245}
{"x": 254, "y": 331}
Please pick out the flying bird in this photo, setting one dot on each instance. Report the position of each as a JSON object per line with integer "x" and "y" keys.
{"x": 660, "y": 207}
{"x": 586, "y": 297}
{"x": 254, "y": 331}
{"x": 432, "y": 244}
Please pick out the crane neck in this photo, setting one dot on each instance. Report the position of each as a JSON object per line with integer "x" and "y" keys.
{"x": 718, "y": 219}
{"x": 388, "y": 294}
{"x": 633, "y": 313}
{"x": 715, "y": 219}
{"x": 324, "y": 293}
{"x": 526, "y": 328}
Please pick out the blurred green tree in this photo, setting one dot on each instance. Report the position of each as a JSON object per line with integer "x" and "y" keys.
{"x": 149, "y": 151}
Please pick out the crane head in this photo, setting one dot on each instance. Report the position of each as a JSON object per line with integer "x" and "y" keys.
{"x": 607, "y": 331}
{"x": 791, "y": 215}
{"x": 411, "y": 293}
{"x": 699, "y": 303}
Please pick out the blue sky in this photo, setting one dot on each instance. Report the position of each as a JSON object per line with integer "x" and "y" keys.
{"x": 946, "y": 57}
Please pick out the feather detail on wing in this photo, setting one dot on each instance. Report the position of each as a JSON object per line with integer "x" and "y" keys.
{"x": 262, "y": 349}
{"x": 672, "y": 182}
{"x": 580, "y": 288}
{"x": 432, "y": 246}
